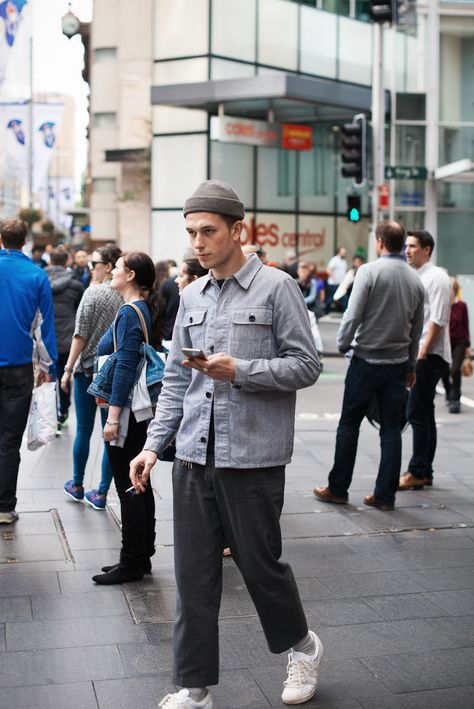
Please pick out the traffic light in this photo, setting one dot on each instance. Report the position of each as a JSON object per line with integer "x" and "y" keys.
{"x": 353, "y": 207}
{"x": 354, "y": 150}
{"x": 382, "y": 11}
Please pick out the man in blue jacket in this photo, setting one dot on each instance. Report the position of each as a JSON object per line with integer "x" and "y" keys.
{"x": 27, "y": 336}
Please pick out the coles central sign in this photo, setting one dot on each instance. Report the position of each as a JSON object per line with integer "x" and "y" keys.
{"x": 262, "y": 134}
{"x": 314, "y": 237}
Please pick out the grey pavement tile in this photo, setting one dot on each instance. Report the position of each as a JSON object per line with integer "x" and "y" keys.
{"x": 146, "y": 659}
{"x": 55, "y": 666}
{"x": 443, "y": 579}
{"x": 459, "y": 602}
{"x": 346, "y": 611}
{"x": 17, "y": 568}
{"x": 130, "y": 693}
{"x": 85, "y": 605}
{"x": 242, "y": 644}
{"x": 460, "y": 629}
{"x": 28, "y": 583}
{"x": 314, "y": 525}
{"x": 32, "y": 547}
{"x": 312, "y": 589}
{"x": 72, "y": 696}
{"x": 238, "y": 689}
{"x": 384, "y": 583}
{"x": 404, "y": 606}
{"x": 157, "y": 606}
{"x": 433, "y": 669}
{"x": 2, "y": 637}
{"x": 161, "y": 577}
{"x": 35, "y": 523}
{"x": 39, "y": 635}
{"x": 382, "y": 638}
{"x": 455, "y": 698}
{"x": 92, "y": 540}
{"x": 15, "y": 609}
{"x": 164, "y": 531}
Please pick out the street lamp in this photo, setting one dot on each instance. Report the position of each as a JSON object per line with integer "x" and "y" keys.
{"x": 70, "y": 23}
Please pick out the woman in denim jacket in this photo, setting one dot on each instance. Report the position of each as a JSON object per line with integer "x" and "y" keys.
{"x": 133, "y": 278}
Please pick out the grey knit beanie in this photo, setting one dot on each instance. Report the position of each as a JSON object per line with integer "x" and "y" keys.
{"x": 217, "y": 197}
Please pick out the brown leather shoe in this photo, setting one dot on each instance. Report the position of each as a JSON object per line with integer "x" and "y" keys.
{"x": 371, "y": 501}
{"x": 325, "y": 495}
{"x": 409, "y": 482}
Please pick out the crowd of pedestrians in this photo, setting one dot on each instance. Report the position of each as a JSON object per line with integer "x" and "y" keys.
{"x": 238, "y": 344}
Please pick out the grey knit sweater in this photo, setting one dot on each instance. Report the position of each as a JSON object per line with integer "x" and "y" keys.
{"x": 384, "y": 318}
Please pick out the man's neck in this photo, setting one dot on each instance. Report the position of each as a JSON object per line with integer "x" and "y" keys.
{"x": 227, "y": 270}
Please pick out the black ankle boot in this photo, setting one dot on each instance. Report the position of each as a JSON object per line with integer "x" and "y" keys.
{"x": 119, "y": 574}
{"x": 146, "y": 567}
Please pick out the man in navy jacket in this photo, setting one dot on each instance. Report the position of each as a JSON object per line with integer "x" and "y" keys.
{"x": 27, "y": 335}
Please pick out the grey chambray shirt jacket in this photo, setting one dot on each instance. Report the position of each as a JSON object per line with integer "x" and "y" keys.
{"x": 258, "y": 317}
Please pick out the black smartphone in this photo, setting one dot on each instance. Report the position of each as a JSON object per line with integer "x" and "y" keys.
{"x": 193, "y": 353}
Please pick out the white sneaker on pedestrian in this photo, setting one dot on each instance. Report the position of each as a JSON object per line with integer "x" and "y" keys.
{"x": 303, "y": 673}
{"x": 182, "y": 700}
{"x": 8, "y": 517}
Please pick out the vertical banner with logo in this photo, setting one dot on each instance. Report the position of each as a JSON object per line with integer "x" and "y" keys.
{"x": 15, "y": 136}
{"x": 10, "y": 20}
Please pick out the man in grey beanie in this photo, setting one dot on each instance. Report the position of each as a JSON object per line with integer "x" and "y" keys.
{"x": 232, "y": 412}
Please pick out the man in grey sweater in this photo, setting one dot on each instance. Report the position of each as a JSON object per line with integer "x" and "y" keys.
{"x": 382, "y": 326}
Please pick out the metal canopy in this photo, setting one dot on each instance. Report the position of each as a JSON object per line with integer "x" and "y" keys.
{"x": 290, "y": 97}
{"x": 459, "y": 171}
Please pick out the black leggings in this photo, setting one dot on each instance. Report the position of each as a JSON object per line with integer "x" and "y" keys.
{"x": 138, "y": 511}
{"x": 452, "y": 380}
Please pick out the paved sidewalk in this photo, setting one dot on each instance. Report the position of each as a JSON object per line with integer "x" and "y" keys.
{"x": 390, "y": 593}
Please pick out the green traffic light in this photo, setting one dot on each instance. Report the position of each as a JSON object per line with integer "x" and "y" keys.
{"x": 354, "y": 215}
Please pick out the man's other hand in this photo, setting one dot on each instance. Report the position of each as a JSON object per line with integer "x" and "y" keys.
{"x": 140, "y": 468}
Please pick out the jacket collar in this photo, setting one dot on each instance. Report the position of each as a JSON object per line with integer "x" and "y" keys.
{"x": 244, "y": 276}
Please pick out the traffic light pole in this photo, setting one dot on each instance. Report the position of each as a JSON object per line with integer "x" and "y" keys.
{"x": 378, "y": 133}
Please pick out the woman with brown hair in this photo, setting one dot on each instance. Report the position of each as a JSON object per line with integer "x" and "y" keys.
{"x": 133, "y": 277}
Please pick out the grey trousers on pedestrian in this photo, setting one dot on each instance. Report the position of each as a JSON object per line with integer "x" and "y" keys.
{"x": 240, "y": 508}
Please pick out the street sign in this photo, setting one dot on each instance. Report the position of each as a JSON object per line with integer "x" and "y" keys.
{"x": 404, "y": 172}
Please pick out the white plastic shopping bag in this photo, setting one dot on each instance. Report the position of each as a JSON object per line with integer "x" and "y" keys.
{"x": 43, "y": 420}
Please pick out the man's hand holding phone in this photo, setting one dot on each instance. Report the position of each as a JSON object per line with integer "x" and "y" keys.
{"x": 217, "y": 366}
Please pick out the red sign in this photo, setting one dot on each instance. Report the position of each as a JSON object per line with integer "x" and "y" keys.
{"x": 296, "y": 137}
{"x": 384, "y": 196}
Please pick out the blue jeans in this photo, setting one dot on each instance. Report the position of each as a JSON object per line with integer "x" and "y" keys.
{"x": 421, "y": 415}
{"x": 364, "y": 380}
{"x": 16, "y": 385}
{"x": 85, "y": 416}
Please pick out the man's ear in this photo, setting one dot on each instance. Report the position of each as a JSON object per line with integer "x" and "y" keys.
{"x": 237, "y": 228}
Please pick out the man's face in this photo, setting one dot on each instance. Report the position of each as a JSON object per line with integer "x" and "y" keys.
{"x": 81, "y": 258}
{"x": 342, "y": 252}
{"x": 213, "y": 242}
{"x": 415, "y": 254}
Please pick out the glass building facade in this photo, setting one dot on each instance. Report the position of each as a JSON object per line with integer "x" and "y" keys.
{"x": 295, "y": 198}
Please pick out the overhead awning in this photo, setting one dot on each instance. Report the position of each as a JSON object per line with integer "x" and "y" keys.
{"x": 459, "y": 171}
{"x": 290, "y": 97}
{"x": 126, "y": 155}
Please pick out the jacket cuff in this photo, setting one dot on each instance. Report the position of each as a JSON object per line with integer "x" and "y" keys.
{"x": 241, "y": 373}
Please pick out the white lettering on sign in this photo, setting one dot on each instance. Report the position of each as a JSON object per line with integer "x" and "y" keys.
{"x": 238, "y": 130}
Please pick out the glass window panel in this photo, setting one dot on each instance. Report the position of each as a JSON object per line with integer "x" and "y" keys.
{"x": 317, "y": 179}
{"x": 318, "y": 42}
{"x": 105, "y": 120}
{"x": 415, "y": 80}
{"x": 240, "y": 42}
{"x": 103, "y": 184}
{"x": 168, "y": 119}
{"x": 169, "y": 238}
{"x": 227, "y": 69}
{"x": 278, "y": 33}
{"x": 181, "y": 28}
{"x": 455, "y": 144}
{"x": 234, "y": 164}
{"x": 355, "y": 66}
{"x": 276, "y": 175}
{"x": 178, "y": 166}
{"x": 341, "y": 7}
{"x": 105, "y": 54}
{"x": 275, "y": 233}
{"x": 454, "y": 243}
{"x": 412, "y": 221}
{"x": 456, "y": 195}
{"x": 410, "y": 151}
{"x": 456, "y": 82}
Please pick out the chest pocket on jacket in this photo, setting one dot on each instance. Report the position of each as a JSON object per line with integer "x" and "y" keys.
{"x": 194, "y": 323}
{"x": 252, "y": 333}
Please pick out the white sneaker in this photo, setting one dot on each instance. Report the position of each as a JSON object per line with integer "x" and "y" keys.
{"x": 182, "y": 700}
{"x": 303, "y": 673}
{"x": 8, "y": 517}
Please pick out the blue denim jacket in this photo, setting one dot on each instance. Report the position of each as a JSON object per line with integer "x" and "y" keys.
{"x": 260, "y": 318}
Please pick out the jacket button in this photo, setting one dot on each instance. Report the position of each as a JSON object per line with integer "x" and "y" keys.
{"x": 203, "y": 439}
{"x": 252, "y": 318}
{"x": 190, "y": 319}
{"x": 211, "y": 349}
{"x": 208, "y": 394}
{"x": 237, "y": 386}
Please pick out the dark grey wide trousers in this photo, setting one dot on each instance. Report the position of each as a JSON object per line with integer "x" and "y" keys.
{"x": 214, "y": 506}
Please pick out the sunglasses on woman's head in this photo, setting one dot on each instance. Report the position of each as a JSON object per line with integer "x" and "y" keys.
{"x": 93, "y": 264}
